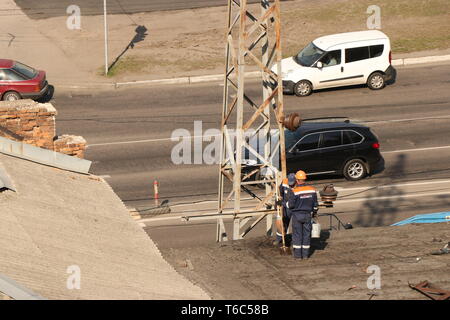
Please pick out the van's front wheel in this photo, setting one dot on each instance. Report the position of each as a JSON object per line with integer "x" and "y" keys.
{"x": 376, "y": 81}
{"x": 303, "y": 88}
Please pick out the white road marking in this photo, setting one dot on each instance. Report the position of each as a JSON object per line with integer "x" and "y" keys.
{"x": 147, "y": 141}
{"x": 416, "y": 150}
{"x": 409, "y": 184}
{"x": 405, "y": 120}
{"x": 338, "y": 202}
{"x": 416, "y": 195}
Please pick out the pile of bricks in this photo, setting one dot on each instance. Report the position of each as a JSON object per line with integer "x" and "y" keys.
{"x": 34, "y": 123}
{"x": 70, "y": 145}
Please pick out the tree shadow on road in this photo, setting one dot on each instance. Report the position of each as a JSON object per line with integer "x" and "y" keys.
{"x": 382, "y": 205}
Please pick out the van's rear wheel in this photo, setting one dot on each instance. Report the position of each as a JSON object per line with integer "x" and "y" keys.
{"x": 355, "y": 170}
{"x": 303, "y": 88}
{"x": 376, "y": 81}
{"x": 11, "y": 96}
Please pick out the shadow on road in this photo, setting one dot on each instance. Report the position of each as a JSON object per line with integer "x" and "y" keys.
{"x": 383, "y": 204}
{"x": 48, "y": 96}
{"x": 321, "y": 243}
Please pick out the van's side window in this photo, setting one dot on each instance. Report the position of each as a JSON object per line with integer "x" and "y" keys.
{"x": 332, "y": 58}
{"x": 376, "y": 51}
{"x": 356, "y": 54}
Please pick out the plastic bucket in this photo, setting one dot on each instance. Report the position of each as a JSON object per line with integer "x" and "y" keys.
{"x": 315, "y": 233}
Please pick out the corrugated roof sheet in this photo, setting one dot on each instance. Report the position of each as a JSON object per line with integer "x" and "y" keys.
{"x": 61, "y": 219}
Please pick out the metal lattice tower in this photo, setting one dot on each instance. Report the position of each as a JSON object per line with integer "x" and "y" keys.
{"x": 252, "y": 39}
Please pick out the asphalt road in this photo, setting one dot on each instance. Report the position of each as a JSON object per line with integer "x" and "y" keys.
{"x": 129, "y": 130}
{"x": 44, "y": 9}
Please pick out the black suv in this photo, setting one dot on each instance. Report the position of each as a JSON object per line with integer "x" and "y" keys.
{"x": 333, "y": 148}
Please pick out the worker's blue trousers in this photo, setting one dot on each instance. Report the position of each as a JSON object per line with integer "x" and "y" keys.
{"x": 286, "y": 221}
{"x": 301, "y": 234}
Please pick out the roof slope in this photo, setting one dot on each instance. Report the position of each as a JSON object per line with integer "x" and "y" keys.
{"x": 59, "y": 219}
{"x": 337, "y": 268}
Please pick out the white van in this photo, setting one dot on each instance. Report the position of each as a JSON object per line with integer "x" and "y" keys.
{"x": 339, "y": 60}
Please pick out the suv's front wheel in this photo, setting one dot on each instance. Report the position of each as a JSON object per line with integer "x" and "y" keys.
{"x": 355, "y": 170}
{"x": 303, "y": 88}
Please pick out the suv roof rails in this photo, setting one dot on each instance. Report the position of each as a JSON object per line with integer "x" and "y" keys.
{"x": 336, "y": 119}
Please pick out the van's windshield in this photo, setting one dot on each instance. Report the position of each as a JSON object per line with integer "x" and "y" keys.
{"x": 308, "y": 55}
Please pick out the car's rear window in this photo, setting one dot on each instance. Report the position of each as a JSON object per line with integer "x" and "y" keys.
{"x": 25, "y": 70}
{"x": 351, "y": 137}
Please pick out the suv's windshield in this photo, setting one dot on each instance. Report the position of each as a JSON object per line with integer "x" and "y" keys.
{"x": 27, "y": 71}
{"x": 308, "y": 55}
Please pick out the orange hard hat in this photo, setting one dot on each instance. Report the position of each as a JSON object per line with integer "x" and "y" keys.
{"x": 300, "y": 175}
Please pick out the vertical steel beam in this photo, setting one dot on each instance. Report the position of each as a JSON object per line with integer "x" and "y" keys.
{"x": 249, "y": 38}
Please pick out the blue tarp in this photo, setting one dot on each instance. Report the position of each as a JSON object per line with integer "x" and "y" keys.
{"x": 426, "y": 218}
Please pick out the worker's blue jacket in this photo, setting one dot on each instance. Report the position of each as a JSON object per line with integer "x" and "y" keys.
{"x": 303, "y": 199}
{"x": 284, "y": 189}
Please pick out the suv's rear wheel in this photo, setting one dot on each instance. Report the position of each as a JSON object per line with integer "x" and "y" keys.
{"x": 376, "y": 81}
{"x": 355, "y": 170}
{"x": 11, "y": 96}
{"x": 303, "y": 88}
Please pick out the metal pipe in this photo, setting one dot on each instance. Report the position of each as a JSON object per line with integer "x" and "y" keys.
{"x": 106, "y": 37}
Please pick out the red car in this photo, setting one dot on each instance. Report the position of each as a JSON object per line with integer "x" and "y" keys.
{"x": 19, "y": 81}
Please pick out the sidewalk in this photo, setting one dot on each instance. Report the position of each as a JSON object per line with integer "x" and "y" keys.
{"x": 400, "y": 60}
{"x": 182, "y": 47}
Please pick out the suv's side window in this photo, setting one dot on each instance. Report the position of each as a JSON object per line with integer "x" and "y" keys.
{"x": 331, "y": 139}
{"x": 309, "y": 142}
{"x": 356, "y": 54}
{"x": 351, "y": 137}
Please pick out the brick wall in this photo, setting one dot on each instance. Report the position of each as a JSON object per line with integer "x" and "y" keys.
{"x": 71, "y": 145}
{"x": 34, "y": 123}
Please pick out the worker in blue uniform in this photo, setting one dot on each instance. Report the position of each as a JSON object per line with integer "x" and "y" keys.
{"x": 302, "y": 204}
{"x": 286, "y": 185}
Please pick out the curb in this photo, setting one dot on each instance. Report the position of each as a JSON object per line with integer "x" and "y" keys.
{"x": 252, "y": 74}
{"x": 186, "y": 80}
{"x": 420, "y": 60}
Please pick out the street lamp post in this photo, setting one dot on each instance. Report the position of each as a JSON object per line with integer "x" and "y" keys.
{"x": 106, "y": 37}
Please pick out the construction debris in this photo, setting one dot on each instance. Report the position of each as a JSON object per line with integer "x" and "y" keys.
{"x": 444, "y": 250}
{"x": 431, "y": 291}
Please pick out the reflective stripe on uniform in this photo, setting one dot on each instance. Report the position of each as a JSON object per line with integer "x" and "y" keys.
{"x": 306, "y": 247}
{"x": 296, "y": 247}
{"x": 304, "y": 192}
{"x": 303, "y": 189}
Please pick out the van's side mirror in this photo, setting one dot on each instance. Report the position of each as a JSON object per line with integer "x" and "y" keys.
{"x": 319, "y": 65}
